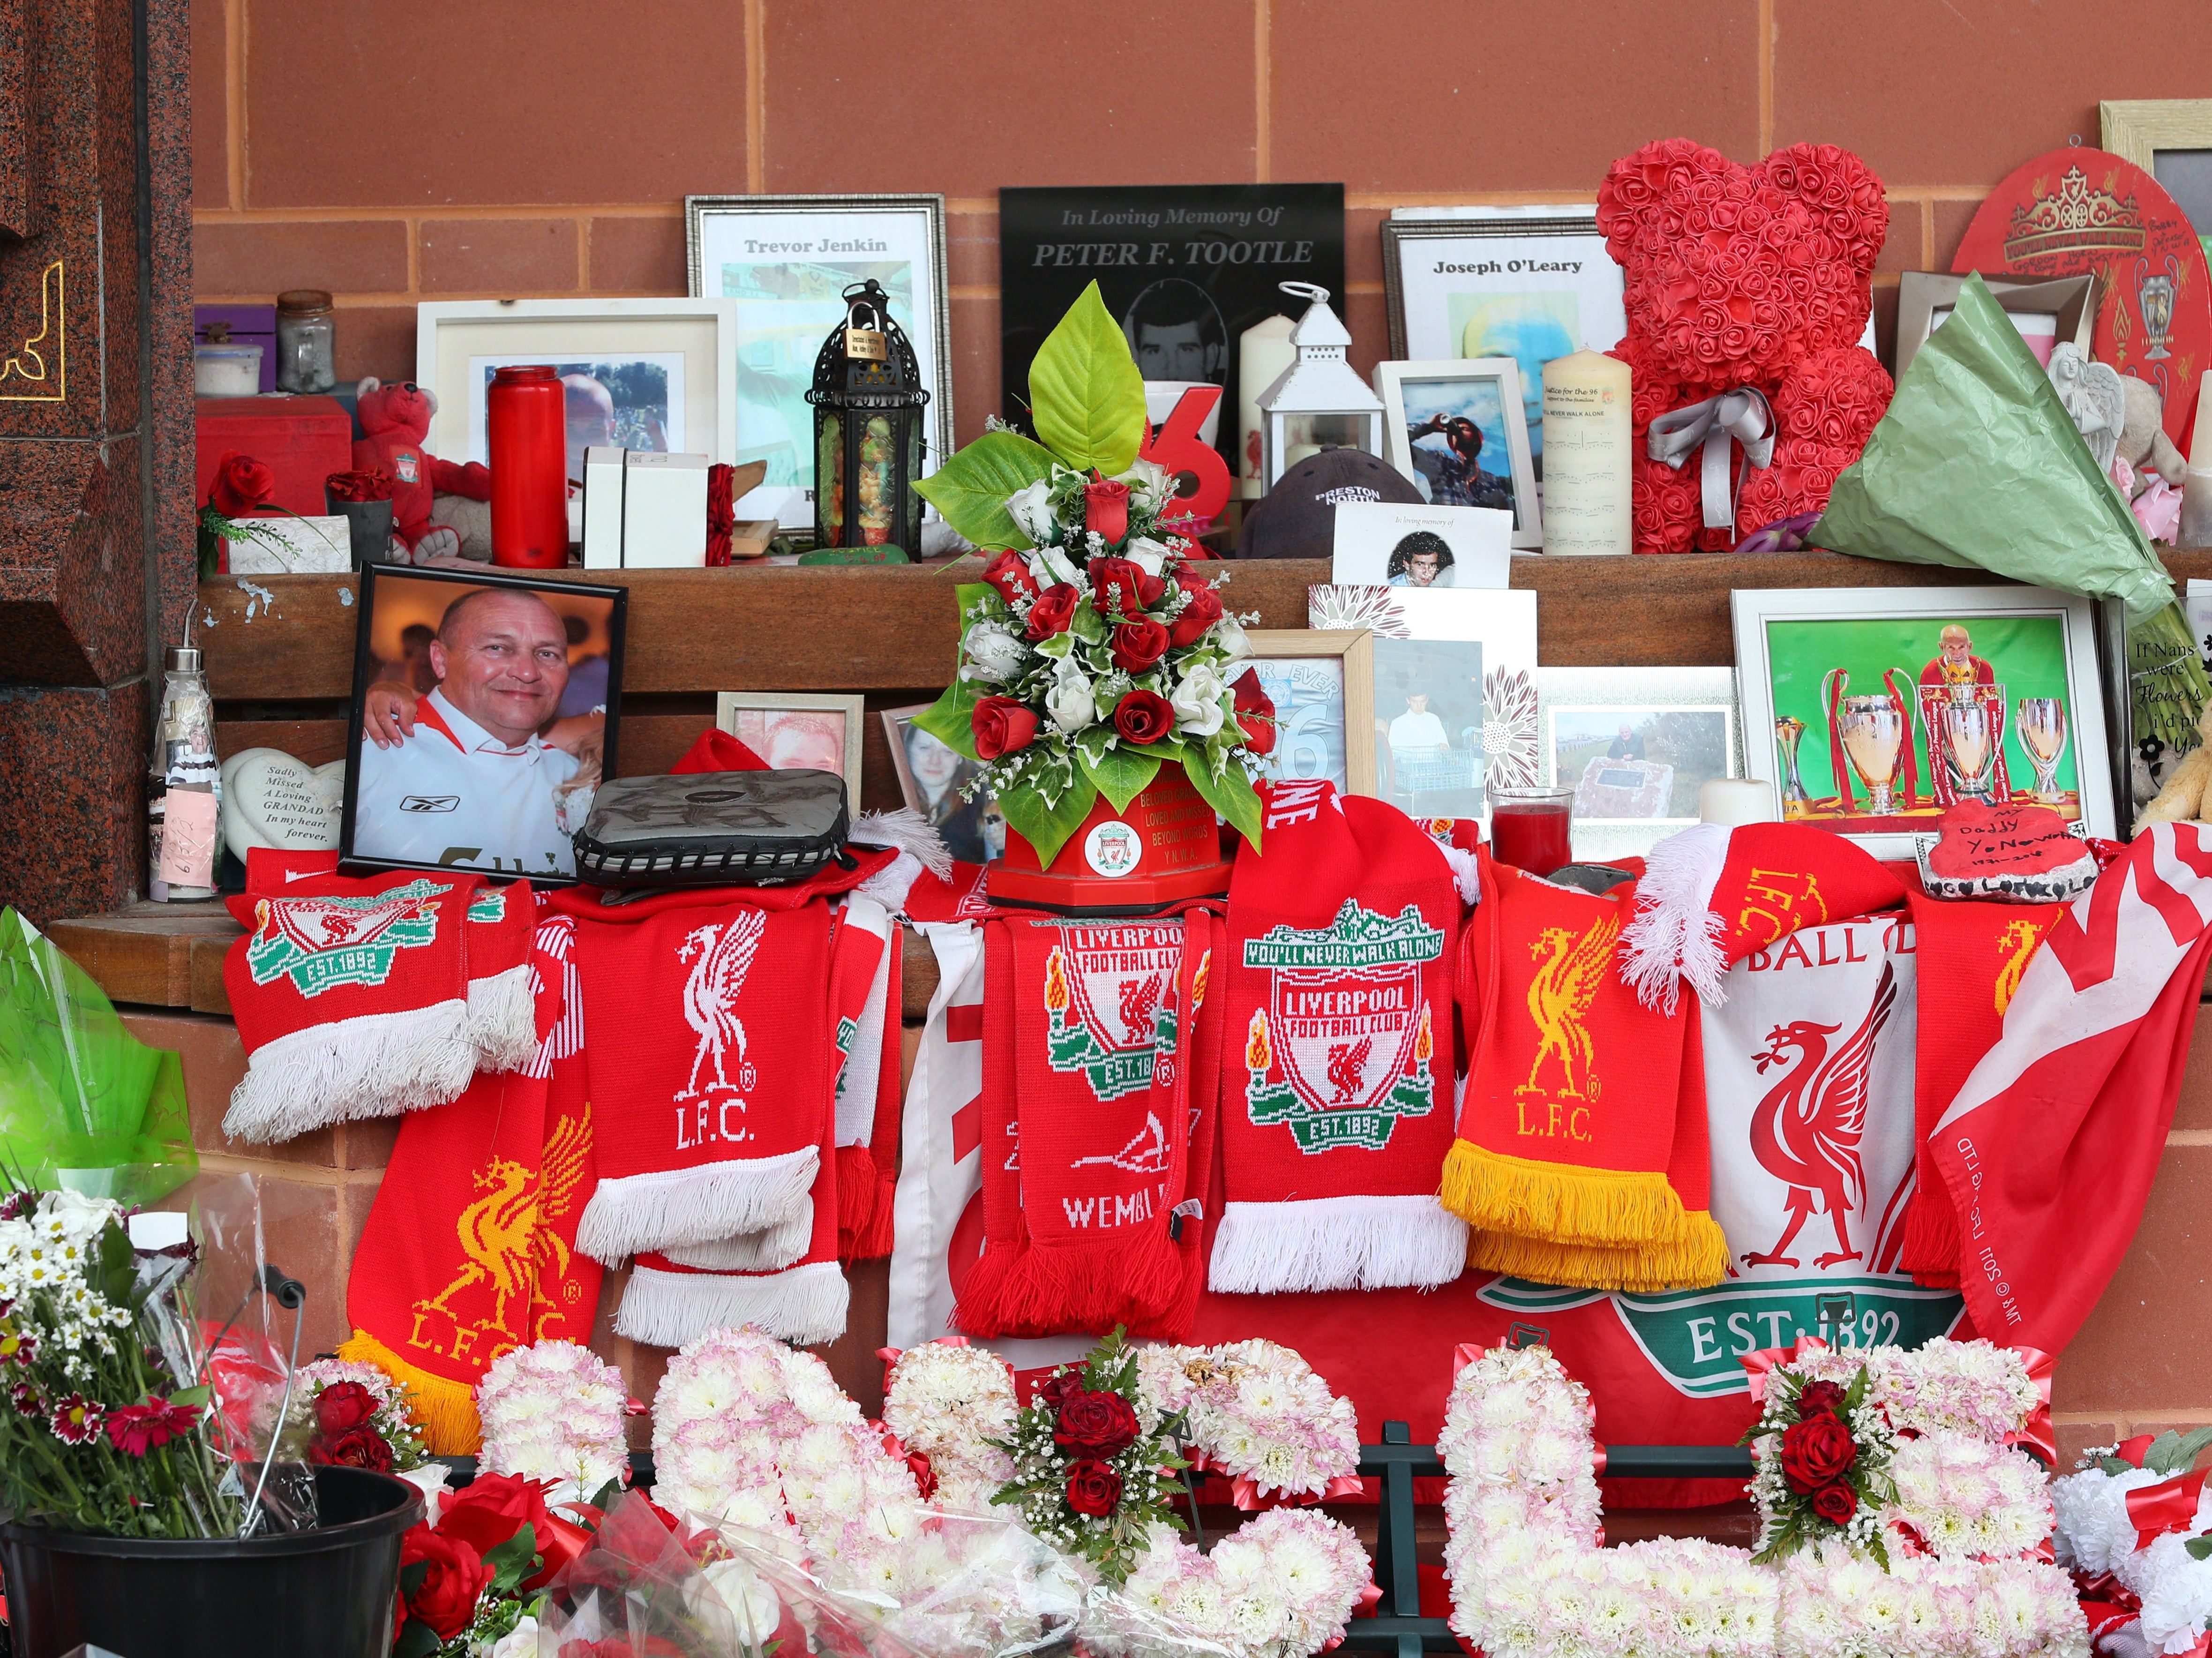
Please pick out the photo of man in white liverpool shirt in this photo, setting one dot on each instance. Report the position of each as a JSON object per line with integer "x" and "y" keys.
{"x": 480, "y": 774}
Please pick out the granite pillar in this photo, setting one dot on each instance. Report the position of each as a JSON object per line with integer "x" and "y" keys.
{"x": 95, "y": 432}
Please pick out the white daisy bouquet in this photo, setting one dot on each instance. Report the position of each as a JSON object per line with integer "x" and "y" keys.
{"x": 1097, "y": 649}
{"x": 556, "y": 1411}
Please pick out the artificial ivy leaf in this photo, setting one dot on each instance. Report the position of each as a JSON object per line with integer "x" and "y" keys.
{"x": 947, "y": 719}
{"x": 1047, "y": 827}
{"x": 1231, "y": 795}
{"x": 970, "y": 489}
{"x": 1086, "y": 394}
{"x": 1122, "y": 773}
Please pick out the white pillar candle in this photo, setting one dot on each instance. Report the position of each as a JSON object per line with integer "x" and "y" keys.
{"x": 1264, "y": 352}
{"x": 1588, "y": 438}
{"x": 1734, "y": 800}
{"x": 2196, "y": 529}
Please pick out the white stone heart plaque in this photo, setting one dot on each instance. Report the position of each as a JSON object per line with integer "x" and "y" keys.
{"x": 271, "y": 799}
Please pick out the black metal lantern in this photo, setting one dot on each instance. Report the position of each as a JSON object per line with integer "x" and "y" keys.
{"x": 867, "y": 399}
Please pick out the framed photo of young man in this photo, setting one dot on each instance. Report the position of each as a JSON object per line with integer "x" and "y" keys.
{"x": 484, "y": 713}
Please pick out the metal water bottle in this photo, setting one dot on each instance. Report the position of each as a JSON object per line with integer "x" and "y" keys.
{"x": 526, "y": 431}
{"x": 183, "y": 764}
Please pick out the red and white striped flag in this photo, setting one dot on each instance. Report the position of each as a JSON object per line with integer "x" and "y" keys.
{"x": 2048, "y": 1150}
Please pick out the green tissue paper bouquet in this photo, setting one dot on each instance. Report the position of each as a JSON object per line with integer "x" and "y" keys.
{"x": 1978, "y": 465}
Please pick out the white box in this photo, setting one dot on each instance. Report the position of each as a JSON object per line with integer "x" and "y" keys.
{"x": 664, "y": 511}
{"x": 316, "y": 546}
{"x": 602, "y": 508}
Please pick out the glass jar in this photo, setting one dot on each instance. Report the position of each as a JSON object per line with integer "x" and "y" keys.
{"x": 183, "y": 764}
{"x": 306, "y": 341}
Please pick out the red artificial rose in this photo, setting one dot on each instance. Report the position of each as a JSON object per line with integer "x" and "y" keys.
{"x": 1836, "y": 1503}
{"x": 343, "y": 1405}
{"x": 1057, "y": 1387}
{"x": 1820, "y": 1398}
{"x": 1096, "y": 1424}
{"x": 1143, "y": 717}
{"x": 1001, "y": 725}
{"x": 1106, "y": 510}
{"x": 1054, "y": 611}
{"x": 447, "y": 1598}
{"x": 1009, "y": 574}
{"x": 1816, "y": 1451}
{"x": 1203, "y": 610}
{"x": 241, "y": 485}
{"x": 492, "y": 1510}
{"x": 1119, "y": 586}
{"x": 1256, "y": 713}
{"x": 1092, "y": 1487}
{"x": 1137, "y": 645}
{"x": 360, "y": 1447}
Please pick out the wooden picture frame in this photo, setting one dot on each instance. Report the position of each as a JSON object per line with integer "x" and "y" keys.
{"x": 852, "y": 710}
{"x": 1353, "y": 649}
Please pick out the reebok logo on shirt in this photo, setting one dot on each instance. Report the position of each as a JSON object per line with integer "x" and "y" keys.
{"x": 430, "y": 803}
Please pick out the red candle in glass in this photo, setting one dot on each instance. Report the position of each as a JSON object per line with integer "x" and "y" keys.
{"x": 1530, "y": 828}
{"x": 526, "y": 430}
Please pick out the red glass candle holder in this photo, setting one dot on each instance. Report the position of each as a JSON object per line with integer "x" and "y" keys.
{"x": 1530, "y": 829}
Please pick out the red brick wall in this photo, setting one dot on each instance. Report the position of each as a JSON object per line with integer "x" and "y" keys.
{"x": 393, "y": 150}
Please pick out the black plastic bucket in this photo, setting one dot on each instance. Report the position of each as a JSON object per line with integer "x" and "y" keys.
{"x": 327, "y": 1591}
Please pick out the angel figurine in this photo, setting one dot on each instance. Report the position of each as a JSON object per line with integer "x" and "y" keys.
{"x": 2093, "y": 396}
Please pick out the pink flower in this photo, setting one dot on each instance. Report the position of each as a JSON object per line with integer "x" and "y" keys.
{"x": 135, "y": 1430}
{"x": 75, "y": 1420}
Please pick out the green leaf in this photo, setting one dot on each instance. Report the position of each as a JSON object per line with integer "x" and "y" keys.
{"x": 606, "y": 1497}
{"x": 512, "y": 1560}
{"x": 1085, "y": 393}
{"x": 1231, "y": 794}
{"x": 418, "y": 1639}
{"x": 1047, "y": 828}
{"x": 2114, "y": 1465}
{"x": 947, "y": 719}
{"x": 970, "y": 489}
{"x": 2200, "y": 1548}
{"x": 198, "y": 1395}
{"x": 410, "y": 1577}
{"x": 2176, "y": 1453}
{"x": 1122, "y": 773}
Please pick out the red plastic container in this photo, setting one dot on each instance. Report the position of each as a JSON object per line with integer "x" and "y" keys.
{"x": 526, "y": 430}
{"x": 1163, "y": 849}
{"x": 301, "y": 440}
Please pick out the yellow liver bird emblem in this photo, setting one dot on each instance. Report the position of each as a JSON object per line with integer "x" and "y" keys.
{"x": 504, "y": 1232}
{"x": 1559, "y": 999}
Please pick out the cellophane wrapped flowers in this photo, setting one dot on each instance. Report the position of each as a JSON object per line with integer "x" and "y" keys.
{"x": 556, "y": 1411}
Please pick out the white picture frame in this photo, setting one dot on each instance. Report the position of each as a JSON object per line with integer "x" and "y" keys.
{"x": 1495, "y": 632}
{"x": 1577, "y": 704}
{"x": 2055, "y": 632}
{"x": 791, "y": 249}
{"x": 1486, "y": 391}
{"x": 458, "y": 340}
{"x": 849, "y": 715}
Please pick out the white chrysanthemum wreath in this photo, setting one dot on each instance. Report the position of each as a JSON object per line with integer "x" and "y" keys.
{"x": 1530, "y": 1575}
{"x": 2135, "y": 1527}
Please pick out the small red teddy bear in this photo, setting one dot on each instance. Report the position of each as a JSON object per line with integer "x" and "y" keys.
{"x": 1744, "y": 285}
{"x": 396, "y": 419}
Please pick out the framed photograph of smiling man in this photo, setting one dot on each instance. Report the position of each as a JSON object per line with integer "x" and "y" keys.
{"x": 1529, "y": 284}
{"x": 484, "y": 713}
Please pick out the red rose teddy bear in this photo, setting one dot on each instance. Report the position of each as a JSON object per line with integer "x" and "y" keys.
{"x": 396, "y": 419}
{"x": 1750, "y": 287}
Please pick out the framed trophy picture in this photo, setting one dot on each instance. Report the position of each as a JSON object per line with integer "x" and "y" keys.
{"x": 1873, "y": 710}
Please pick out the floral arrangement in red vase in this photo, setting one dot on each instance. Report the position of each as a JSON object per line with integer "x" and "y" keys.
{"x": 1820, "y": 1455}
{"x": 1751, "y": 286}
{"x": 1094, "y": 1464}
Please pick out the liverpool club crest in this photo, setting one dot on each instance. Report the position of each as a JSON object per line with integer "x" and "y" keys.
{"x": 1106, "y": 994}
{"x": 321, "y": 944}
{"x": 1346, "y": 1026}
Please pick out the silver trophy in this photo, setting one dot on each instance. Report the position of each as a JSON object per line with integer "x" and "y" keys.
{"x": 1796, "y": 803}
{"x": 2041, "y": 726}
{"x": 2154, "y": 295}
{"x": 1970, "y": 733}
{"x": 1873, "y": 732}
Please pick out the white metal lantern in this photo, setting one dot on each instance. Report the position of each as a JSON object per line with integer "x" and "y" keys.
{"x": 1318, "y": 399}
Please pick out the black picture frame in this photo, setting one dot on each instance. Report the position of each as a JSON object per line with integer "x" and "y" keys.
{"x": 376, "y": 577}
{"x": 1147, "y": 245}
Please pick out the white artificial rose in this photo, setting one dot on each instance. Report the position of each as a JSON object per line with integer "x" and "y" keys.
{"x": 1051, "y": 565}
{"x": 1197, "y": 701}
{"x": 1068, "y": 704}
{"x": 1229, "y": 640}
{"x": 1148, "y": 483}
{"x": 993, "y": 653}
{"x": 520, "y": 1642}
{"x": 1031, "y": 509}
{"x": 1146, "y": 554}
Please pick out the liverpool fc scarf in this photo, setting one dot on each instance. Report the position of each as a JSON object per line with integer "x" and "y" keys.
{"x": 1980, "y": 950}
{"x": 1094, "y": 1063}
{"x": 1338, "y": 1063}
{"x": 470, "y": 1246}
{"x": 353, "y": 1004}
{"x": 1710, "y": 895}
{"x": 867, "y": 989}
{"x": 1571, "y": 1134}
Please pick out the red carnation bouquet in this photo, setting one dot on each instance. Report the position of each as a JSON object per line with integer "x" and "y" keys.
{"x": 1820, "y": 1454}
{"x": 1094, "y": 1467}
